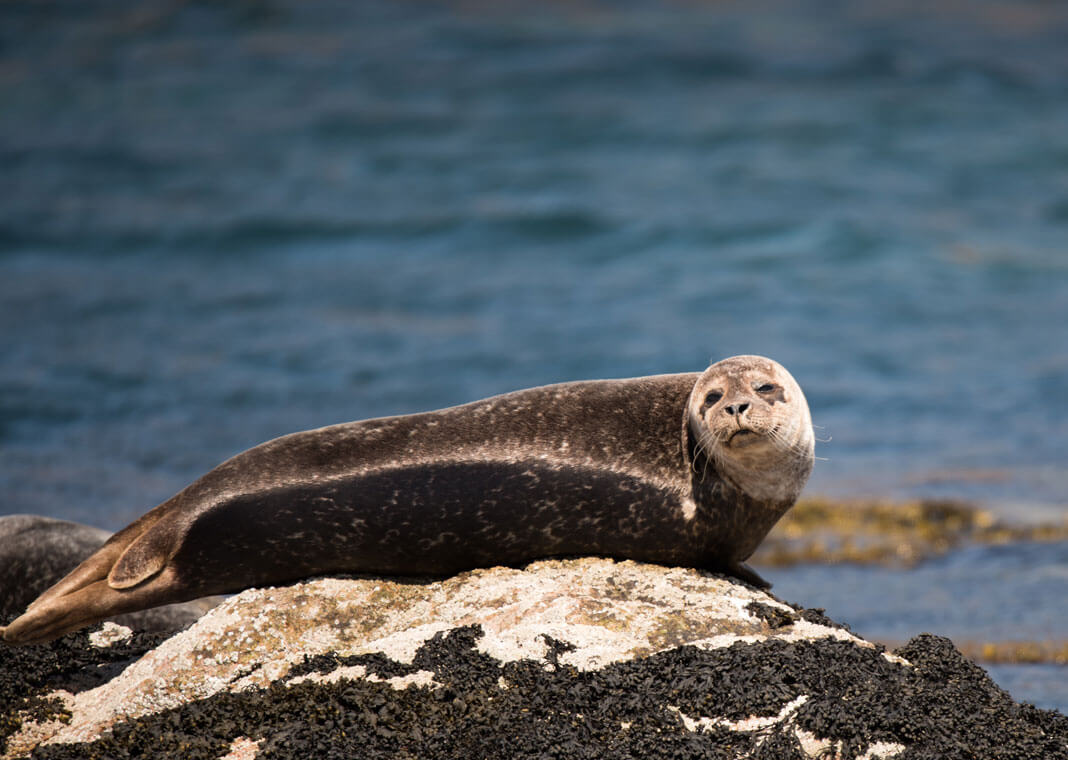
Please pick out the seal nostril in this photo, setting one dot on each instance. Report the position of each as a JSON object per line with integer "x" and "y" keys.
{"x": 734, "y": 409}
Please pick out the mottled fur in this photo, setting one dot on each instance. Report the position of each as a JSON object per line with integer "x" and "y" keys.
{"x": 622, "y": 468}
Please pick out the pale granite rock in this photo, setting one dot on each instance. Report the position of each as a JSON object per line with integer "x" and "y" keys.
{"x": 616, "y": 659}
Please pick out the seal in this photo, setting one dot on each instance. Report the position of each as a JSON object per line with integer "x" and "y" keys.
{"x": 37, "y": 551}
{"x": 688, "y": 469}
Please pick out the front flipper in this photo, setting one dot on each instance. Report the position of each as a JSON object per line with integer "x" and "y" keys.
{"x": 743, "y": 572}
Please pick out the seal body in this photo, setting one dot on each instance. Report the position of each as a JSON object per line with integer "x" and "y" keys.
{"x": 657, "y": 469}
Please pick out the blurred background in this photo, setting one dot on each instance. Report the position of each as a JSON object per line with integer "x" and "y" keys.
{"x": 222, "y": 222}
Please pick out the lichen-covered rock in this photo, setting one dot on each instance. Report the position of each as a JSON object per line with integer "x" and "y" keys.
{"x": 569, "y": 659}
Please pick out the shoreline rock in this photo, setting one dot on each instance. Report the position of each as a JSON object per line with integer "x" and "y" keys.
{"x": 890, "y": 533}
{"x": 565, "y": 658}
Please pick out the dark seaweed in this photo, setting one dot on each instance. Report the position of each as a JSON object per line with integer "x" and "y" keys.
{"x": 945, "y": 707}
{"x": 27, "y": 674}
{"x": 773, "y": 616}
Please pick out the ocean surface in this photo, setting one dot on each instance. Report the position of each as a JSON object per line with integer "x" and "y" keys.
{"x": 223, "y": 222}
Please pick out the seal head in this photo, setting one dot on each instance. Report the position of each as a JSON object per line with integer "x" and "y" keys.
{"x": 752, "y": 423}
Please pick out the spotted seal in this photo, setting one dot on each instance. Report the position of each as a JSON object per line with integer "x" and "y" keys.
{"x": 687, "y": 469}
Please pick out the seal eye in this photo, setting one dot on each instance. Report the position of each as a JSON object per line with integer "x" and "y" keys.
{"x": 766, "y": 388}
{"x": 712, "y": 397}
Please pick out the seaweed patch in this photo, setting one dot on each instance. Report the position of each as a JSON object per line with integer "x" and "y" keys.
{"x": 772, "y": 616}
{"x": 763, "y": 700}
{"x": 72, "y": 663}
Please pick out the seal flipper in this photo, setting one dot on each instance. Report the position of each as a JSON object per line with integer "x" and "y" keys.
{"x": 99, "y": 564}
{"x": 743, "y": 572}
{"x": 90, "y": 604}
{"x": 47, "y": 619}
{"x": 91, "y": 570}
{"x": 143, "y": 559}
{"x": 86, "y": 594}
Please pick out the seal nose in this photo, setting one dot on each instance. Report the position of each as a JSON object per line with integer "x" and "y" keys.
{"x": 736, "y": 409}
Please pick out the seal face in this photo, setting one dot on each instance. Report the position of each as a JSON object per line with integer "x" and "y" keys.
{"x": 750, "y": 426}
{"x": 751, "y": 419}
{"x": 687, "y": 469}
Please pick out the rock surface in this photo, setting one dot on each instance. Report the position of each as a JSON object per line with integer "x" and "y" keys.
{"x": 568, "y": 659}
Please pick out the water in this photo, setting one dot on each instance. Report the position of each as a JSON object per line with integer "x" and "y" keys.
{"x": 224, "y": 222}
{"x": 1013, "y": 592}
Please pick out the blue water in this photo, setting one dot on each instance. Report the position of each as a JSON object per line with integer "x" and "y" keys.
{"x": 224, "y": 222}
{"x": 1013, "y": 592}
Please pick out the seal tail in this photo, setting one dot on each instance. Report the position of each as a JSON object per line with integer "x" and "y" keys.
{"x": 90, "y": 604}
{"x": 111, "y": 581}
{"x": 99, "y": 564}
{"x": 91, "y": 570}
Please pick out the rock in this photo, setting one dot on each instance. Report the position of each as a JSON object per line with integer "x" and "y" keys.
{"x": 568, "y": 659}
